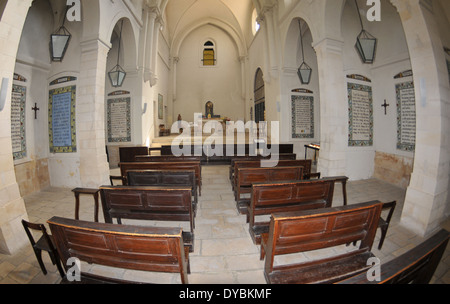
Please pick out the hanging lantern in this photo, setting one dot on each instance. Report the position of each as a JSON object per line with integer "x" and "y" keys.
{"x": 59, "y": 42}
{"x": 304, "y": 71}
{"x": 117, "y": 74}
{"x": 366, "y": 44}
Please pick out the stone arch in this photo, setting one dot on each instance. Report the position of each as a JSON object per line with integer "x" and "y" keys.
{"x": 426, "y": 199}
{"x": 128, "y": 44}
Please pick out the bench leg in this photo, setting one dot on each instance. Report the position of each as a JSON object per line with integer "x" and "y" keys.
{"x": 77, "y": 205}
{"x": 96, "y": 207}
{"x": 344, "y": 191}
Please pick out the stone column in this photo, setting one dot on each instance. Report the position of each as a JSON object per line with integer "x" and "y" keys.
{"x": 150, "y": 48}
{"x": 333, "y": 108}
{"x": 12, "y": 207}
{"x": 427, "y": 195}
{"x": 94, "y": 168}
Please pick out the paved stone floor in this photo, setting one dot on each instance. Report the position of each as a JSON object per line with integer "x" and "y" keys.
{"x": 224, "y": 251}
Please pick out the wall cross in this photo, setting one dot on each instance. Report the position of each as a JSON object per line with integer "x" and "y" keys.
{"x": 35, "y": 109}
{"x": 385, "y": 105}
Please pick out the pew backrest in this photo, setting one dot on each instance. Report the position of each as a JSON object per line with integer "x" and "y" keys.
{"x": 415, "y": 266}
{"x": 282, "y": 156}
{"x": 122, "y": 246}
{"x": 309, "y": 230}
{"x": 165, "y": 158}
{"x": 266, "y": 163}
{"x": 249, "y": 176}
{"x": 147, "y": 203}
{"x": 164, "y": 178}
{"x": 268, "y": 198}
{"x": 171, "y": 165}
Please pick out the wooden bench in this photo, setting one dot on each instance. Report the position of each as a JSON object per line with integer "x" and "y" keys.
{"x": 127, "y": 154}
{"x": 172, "y": 165}
{"x": 149, "y": 203}
{"x": 283, "y": 197}
{"x": 225, "y": 152}
{"x": 310, "y": 230}
{"x": 122, "y": 246}
{"x": 283, "y": 156}
{"x": 265, "y": 163}
{"x": 416, "y": 266}
{"x": 165, "y": 178}
{"x": 248, "y": 176}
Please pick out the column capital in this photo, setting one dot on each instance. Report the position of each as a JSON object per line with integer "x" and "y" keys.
{"x": 93, "y": 45}
{"x": 329, "y": 44}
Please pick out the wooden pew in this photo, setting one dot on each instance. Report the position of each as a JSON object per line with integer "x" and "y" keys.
{"x": 283, "y": 197}
{"x": 283, "y": 156}
{"x": 416, "y": 266}
{"x": 248, "y": 176}
{"x": 122, "y": 246}
{"x": 263, "y": 164}
{"x": 226, "y": 152}
{"x": 317, "y": 229}
{"x": 149, "y": 203}
{"x": 165, "y": 178}
{"x": 127, "y": 154}
{"x": 171, "y": 165}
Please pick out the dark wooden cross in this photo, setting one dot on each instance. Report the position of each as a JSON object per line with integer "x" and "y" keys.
{"x": 35, "y": 109}
{"x": 385, "y": 105}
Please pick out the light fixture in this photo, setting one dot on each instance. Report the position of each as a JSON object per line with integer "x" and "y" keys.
{"x": 304, "y": 71}
{"x": 117, "y": 74}
{"x": 59, "y": 41}
{"x": 366, "y": 44}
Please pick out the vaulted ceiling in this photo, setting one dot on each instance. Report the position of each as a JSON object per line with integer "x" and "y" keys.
{"x": 233, "y": 15}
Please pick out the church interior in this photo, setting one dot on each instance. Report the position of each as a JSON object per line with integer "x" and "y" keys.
{"x": 362, "y": 89}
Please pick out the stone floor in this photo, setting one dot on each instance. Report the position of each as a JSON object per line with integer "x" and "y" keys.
{"x": 224, "y": 251}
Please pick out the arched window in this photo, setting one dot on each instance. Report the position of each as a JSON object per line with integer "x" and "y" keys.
{"x": 209, "y": 54}
{"x": 260, "y": 97}
{"x": 255, "y": 23}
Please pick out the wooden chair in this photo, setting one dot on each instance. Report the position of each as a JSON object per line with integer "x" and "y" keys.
{"x": 416, "y": 266}
{"x": 318, "y": 229}
{"x": 45, "y": 242}
{"x": 153, "y": 249}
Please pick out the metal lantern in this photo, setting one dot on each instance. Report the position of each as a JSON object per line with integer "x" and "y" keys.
{"x": 366, "y": 44}
{"x": 59, "y": 41}
{"x": 117, "y": 74}
{"x": 304, "y": 71}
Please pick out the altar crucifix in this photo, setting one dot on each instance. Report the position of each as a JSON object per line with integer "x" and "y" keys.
{"x": 385, "y": 105}
{"x": 35, "y": 109}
